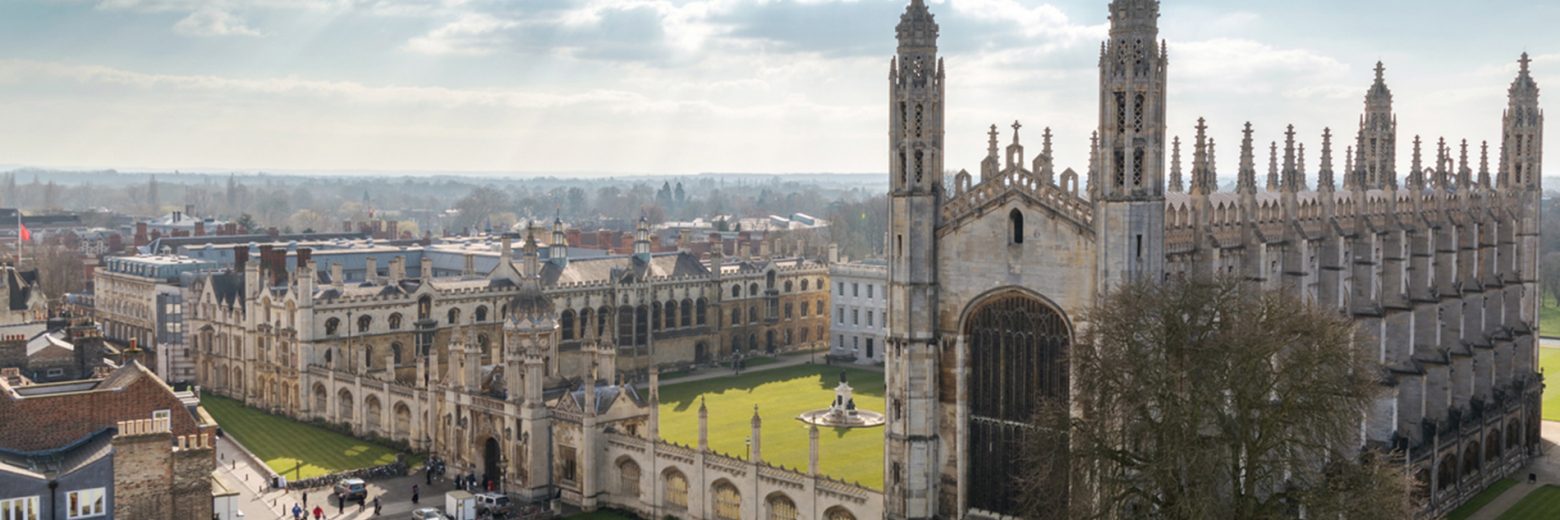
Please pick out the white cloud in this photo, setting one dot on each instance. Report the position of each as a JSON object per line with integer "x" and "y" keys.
{"x": 213, "y": 21}
{"x": 471, "y": 34}
{"x": 1250, "y": 67}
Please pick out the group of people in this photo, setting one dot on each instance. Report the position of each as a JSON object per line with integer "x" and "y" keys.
{"x": 301, "y": 511}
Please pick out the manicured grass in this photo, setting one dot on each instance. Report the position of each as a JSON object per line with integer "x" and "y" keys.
{"x": 1549, "y": 362}
{"x": 1542, "y": 503}
{"x": 1478, "y": 501}
{"x": 284, "y": 444}
{"x": 853, "y": 455}
{"x": 1549, "y": 318}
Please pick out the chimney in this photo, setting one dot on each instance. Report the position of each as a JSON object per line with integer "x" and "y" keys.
{"x": 200, "y": 228}
{"x": 397, "y": 270}
{"x": 140, "y": 234}
{"x": 427, "y": 269}
{"x": 370, "y": 270}
{"x": 240, "y": 257}
{"x": 336, "y": 279}
{"x": 304, "y": 255}
{"x": 133, "y": 353}
{"x": 273, "y": 233}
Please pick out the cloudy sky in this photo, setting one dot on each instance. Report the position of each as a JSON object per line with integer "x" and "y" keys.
{"x": 688, "y": 86}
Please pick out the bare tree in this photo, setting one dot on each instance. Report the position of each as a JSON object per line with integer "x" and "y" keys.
{"x": 60, "y": 270}
{"x": 1214, "y": 399}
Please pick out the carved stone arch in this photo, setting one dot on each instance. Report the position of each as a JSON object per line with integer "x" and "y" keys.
{"x": 674, "y": 489}
{"x": 1016, "y": 343}
{"x": 838, "y": 513}
{"x": 373, "y": 413}
{"x": 344, "y": 405}
{"x": 778, "y": 506}
{"x": 401, "y": 422}
{"x": 725, "y": 500}
{"x": 321, "y": 398}
{"x": 1070, "y": 182}
{"x": 628, "y": 476}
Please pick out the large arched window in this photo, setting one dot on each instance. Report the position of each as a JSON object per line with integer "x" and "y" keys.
{"x": 752, "y": 289}
{"x": 1016, "y": 225}
{"x": 425, "y": 307}
{"x": 482, "y": 313}
{"x": 364, "y": 322}
{"x": 394, "y": 322}
{"x": 332, "y": 326}
{"x": 728, "y": 501}
{"x": 838, "y": 513}
{"x": 698, "y": 312}
{"x": 1017, "y": 347}
{"x": 675, "y": 488}
{"x": 736, "y": 316}
{"x": 585, "y": 316}
{"x": 395, "y": 353}
{"x": 566, "y": 324}
{"x": 736, "y": 291}
{"x": 454, "y": 316}
{"x": 686, "y": 313}
{"x": 628, "y": 478}
{"x": 780, "y": 507}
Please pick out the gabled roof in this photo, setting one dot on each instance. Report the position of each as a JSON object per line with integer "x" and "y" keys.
{"x": 604, "y": 269}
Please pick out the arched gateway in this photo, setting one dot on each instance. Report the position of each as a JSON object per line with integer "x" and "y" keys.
{"x": 1017, "y": 346}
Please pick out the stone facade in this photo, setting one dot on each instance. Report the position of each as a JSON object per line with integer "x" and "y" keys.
{"x": 991, "y": 273}
{"x": 860, "y": 296}
{"x": 521, "y": 375}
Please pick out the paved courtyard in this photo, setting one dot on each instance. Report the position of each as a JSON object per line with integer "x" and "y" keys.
{"x": 258, "y": 501}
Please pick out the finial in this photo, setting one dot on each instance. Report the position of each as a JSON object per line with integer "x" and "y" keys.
{"x": 1016, "y": 126}
{"x": 1484, "y": 164}
{"x": 1524, "y": 63}
{"x": 1380, "y": 72}
{"x": 1175, "y": 165}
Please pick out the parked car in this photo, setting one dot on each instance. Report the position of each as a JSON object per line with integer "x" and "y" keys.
{"x": 492, "y": 503}
{"x": 428, "y": 513}
{"x": 351, "y": 489}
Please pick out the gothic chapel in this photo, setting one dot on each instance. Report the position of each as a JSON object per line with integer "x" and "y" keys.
{"x": 989, "y": 274}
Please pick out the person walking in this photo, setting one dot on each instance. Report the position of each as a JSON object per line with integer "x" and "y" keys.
{"x": 341, "y": 505}
{"x": 318, "y": 513}
{"x": 305, "y": 499}
{"x": 414, "y": 493}
{"x": 297, "y": 511}
{"x": 376, "y": 506}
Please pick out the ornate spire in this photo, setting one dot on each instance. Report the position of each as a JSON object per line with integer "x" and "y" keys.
{"x": 1416, "y": 175}
{"x": 1288, "y": 180}
{"x": 1047, "y": 165}
{"x": 1348, "y": 168}
{"x": 1272, "y": 175}
{"x": 1135, "y": 18}
{"x": 1300, "y": 177}
{"x": 1200, "y": 159}
{"x": 1464, "y": 173}
{"x": 1484, "y": 165}
{"x": 1247, "y": 183}
{"x": 1175, "y": 165}
{"x": 1324, "y": 172}
{"x": 1211, "y": 180}
{"x": 1094, "y": 164}
{"x": 917, "y": 27}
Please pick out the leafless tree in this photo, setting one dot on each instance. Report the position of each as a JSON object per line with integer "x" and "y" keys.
{"x": 1214, "y": 399}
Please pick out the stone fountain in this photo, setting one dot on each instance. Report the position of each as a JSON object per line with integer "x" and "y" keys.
{"x": 842, "y": 412}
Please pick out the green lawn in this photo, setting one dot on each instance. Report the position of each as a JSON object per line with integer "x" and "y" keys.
{"x": 282, "y": 443}
{"x": 853, "y": 455}
{"x": 1542, "y": 503}
{"x": 1549, "y": 318}
{"x": 1478, "y": 501}
{"x": 1549, "y": 362}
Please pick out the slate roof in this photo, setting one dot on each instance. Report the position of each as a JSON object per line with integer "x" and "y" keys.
{"x": 596, "y": 270}
{"x": 21, "y": 286}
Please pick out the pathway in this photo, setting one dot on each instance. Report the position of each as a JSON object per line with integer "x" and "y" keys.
{"x": 258, "y": 501}
{"x": 783, "y": 361}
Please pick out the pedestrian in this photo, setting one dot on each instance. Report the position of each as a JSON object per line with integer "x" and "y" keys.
{"x": 376, "y": 506}
{"x": 297, "y": 511}
{"x": 305, "y": 499}
{"x": 362, "y": 503}
{"x": 318, "y": 513}
{"x": 341, "y": 504}
{"x": 429, "y": 474}
{"x": 414, "y": 493}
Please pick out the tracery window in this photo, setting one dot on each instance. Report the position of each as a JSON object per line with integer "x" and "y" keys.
{"x": 628, "y": 478}
{"x": 781, "y": 508}
{"x": 676, "y": 488}
{"x": 332, "y": 325}
{"x": 728, "y": 501}
{"x": 394, "y": 322}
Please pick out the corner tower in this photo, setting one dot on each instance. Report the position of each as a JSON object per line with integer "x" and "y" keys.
{"x": 1130, "y": 198}
{"x": 915, "y": 167}
{"x": 1376, "y": 168}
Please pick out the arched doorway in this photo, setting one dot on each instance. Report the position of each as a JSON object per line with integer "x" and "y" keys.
{"x": 1017, "y": 347}
{"x": 492, "y": 470}
{"x": 769, "y": 342}
{"x": 701, "y": 353}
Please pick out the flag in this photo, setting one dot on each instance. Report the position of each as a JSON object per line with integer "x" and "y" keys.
{"x": 24, "y": 233}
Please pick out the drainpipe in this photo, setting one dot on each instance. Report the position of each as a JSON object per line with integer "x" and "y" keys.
{"x": 53, "y": 500}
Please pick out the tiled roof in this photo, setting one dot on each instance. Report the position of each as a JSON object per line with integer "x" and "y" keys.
{"x": 51, "y": 416}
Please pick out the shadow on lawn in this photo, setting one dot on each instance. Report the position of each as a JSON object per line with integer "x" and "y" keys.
{"x": 685, "y": 395}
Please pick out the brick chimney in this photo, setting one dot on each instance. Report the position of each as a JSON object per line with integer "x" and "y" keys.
{"x": 200, "y": 228}
{"x": 140, "y": 234}
{"x": 240, "y": 257}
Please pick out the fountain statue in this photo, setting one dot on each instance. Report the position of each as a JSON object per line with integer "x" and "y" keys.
{"x": 842, "y": 412}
